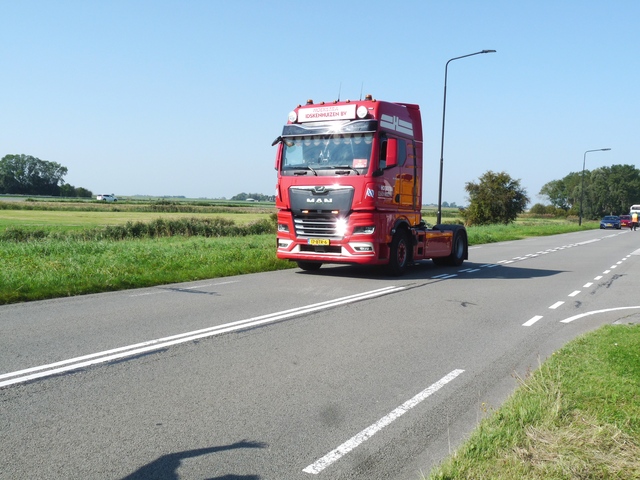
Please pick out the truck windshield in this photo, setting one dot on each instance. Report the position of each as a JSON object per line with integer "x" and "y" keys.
{"x": 328, "y": 152}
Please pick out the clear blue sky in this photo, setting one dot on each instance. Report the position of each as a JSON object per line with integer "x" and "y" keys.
{"x": 158, "y": 97}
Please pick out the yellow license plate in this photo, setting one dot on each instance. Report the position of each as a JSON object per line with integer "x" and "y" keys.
{"x": 318, "y": 241}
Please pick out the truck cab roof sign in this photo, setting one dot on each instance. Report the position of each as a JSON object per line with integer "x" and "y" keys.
{"x": 329, "y": 112}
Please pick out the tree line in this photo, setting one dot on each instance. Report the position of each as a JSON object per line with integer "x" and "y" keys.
{"x": 498, "y": 198}
{"x": 495, "y": 198}
{"x": 28, "y": 175}
{"x": 257, "y": 197}
{"x": 603, "y": 191}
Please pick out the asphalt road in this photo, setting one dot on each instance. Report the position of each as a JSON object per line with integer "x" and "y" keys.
{"x": 339, "y": 374}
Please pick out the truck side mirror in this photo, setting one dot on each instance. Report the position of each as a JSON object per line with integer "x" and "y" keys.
{"x": 278, "y": 157}
{"x": 392, "y": 152}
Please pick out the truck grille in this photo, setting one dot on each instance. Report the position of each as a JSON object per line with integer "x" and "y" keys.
{"x": 316, "y": 226}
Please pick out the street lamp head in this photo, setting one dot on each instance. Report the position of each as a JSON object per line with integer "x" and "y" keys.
{"x": 605, "y": 149}
{"x": 488, "y": 51}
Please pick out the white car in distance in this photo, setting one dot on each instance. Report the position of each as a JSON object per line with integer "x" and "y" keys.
{"x": 105, "y": 197}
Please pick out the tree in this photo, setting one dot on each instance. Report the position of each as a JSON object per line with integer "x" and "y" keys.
{"x": 607, "y": 190}
{"x": 254, "y": 196}
{"x": 68, "y": 190}
{"x": 538, "y": 209}
{"x": 611, "y": 190}
{"x": 496, "y": 198}
{"x": 27, "y": 175}
{"x": 564, "y": 193}
{"x": 556, "y": 192}
{"x": 83, "y": 192}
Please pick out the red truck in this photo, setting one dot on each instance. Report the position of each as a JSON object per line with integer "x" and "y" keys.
{"x": 350, "y": 188}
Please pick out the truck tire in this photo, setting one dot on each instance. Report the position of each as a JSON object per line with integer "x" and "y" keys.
{"x": 458, "y": 250}
{"x": 309, "y": 266}
{"x": 399, "y": 254}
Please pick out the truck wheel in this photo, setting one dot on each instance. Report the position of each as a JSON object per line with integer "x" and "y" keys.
{"x": 309, "y": 266}
{"x": 399, "y": 254}
{"x": 458, "y": 250}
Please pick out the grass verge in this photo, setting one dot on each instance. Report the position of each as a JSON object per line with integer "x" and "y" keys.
{"x": 520, "y": 230}
{"x": 576, "y": 417}
{"x": 51, "y": 268}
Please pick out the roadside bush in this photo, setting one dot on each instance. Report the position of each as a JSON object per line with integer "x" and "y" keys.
{"x": 22, "y": 235}
{"x": 538, "y": 209}
{"x": 191, "y": 227}
{"x": 547, "y": 211}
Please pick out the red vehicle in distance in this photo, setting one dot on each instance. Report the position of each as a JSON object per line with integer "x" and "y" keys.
{"x": 625, "y": 221}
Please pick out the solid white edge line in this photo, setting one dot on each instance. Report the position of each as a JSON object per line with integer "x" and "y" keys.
{"x": 187, "y": 334}
{"x": 576, "y": 317}
{"x": 367, "y": 433}
{"x": 144, "y": 347}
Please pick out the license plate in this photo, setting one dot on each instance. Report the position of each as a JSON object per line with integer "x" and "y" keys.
{"x": 318, "y": 241}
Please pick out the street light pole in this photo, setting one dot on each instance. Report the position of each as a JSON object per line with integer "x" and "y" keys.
{"x": 584, "y": 160}
{"x": 444, "y": 106}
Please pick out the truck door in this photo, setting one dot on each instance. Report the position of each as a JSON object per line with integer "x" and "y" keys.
{"x": 400, "y": 191}
{"x": 405, "y": 178}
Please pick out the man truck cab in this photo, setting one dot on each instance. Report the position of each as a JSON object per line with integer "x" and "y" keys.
{"x": 349, "y": 188}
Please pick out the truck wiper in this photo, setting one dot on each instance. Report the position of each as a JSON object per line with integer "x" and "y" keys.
{"x": 348, "y": 167}
{"x": 306, "y": 167}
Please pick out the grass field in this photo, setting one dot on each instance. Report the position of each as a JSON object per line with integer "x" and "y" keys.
{"x": 61, "y": 220}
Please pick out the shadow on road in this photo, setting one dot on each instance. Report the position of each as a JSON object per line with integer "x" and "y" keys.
{"x": 425, "y": 269}
{"x": 166, "y": 467}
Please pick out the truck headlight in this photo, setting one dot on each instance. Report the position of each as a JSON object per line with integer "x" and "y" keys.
{"x": 283, "y": 227}
{"x": 341, "y": 227}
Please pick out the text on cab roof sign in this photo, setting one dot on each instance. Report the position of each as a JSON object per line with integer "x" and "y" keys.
{"x": 333, "y": 112}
